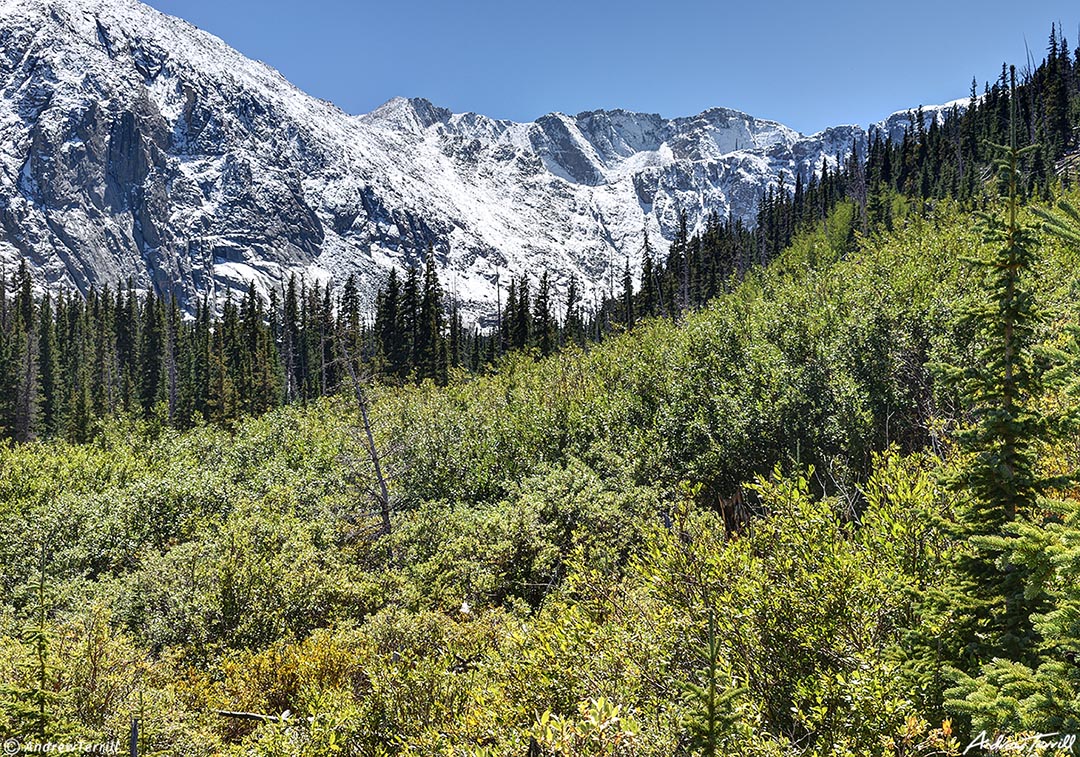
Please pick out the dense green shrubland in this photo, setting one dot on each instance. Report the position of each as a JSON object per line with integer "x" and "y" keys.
{"x": 565, "y": 563}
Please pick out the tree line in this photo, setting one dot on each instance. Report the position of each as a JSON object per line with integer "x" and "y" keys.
{"x": 67, "y": 360}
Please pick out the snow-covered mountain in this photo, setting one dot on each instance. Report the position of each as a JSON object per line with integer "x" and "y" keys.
{"x": 134, "y": 145}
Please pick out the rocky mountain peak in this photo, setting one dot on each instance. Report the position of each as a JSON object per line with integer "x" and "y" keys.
{"x": 136, "y": 146}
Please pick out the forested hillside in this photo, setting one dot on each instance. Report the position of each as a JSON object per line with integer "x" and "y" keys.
{"x": 564, "y": 532}
{"x": 67, "y": 361}
{"x": 822, "y": 505}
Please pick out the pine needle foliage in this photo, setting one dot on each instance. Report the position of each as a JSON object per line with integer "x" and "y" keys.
{"x": 712, "y": 711}
{"x": 1043, "y": 694}
{"x": 999, "y": 477}
{"x": 987, "y": 612}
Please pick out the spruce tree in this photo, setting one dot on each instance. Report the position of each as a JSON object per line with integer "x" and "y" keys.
{"x": 388, "y": 324}
{"x": 543, "y": 323}
{"x": 984, "y": 617}
{"x": 221, "y": 400}
{"x": 99, "y": 322}
{"x": 290, "y": 341}
{"x": 430, "y": 352}
{"x": 24, "y": 354}
{"x": 521, "y": 329}
{"x": 173, "y": 324}
{"x": 573, "y": 324}
{"x": 681, "y": 252}
{"x": 350, "y": 329}
{"x": 648, "y": 294}
{"x": 7, "y": 361}
{"x": 48, "y": 361}
{"x": 1042, "y": 693}
{"x": 328, "y": 380}
{"x": 151, "y": 352}
{"x": 628, "y": 296}
{"x": 127, "y": 348}
{"x": 507, "y": 318}
{"x": 409, "y": 327}
{"x": 457, "y": 345}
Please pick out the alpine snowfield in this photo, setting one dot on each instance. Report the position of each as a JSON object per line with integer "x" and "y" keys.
{"x": 135, "y": 146}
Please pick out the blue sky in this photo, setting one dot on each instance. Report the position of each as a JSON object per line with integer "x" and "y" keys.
{"x": 809, "y": 65}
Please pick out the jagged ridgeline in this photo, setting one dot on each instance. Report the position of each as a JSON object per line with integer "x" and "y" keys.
{"x": 71, "y": 358}
{"x": 138, "y": 147}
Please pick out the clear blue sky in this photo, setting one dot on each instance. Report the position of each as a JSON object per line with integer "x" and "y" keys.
{"x": 806, "y": 64}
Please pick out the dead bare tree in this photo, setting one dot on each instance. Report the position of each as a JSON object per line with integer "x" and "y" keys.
{"x": 382, "y": 493}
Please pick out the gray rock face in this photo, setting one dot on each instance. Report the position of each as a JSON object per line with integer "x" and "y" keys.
{"x": 133, "y": 145}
